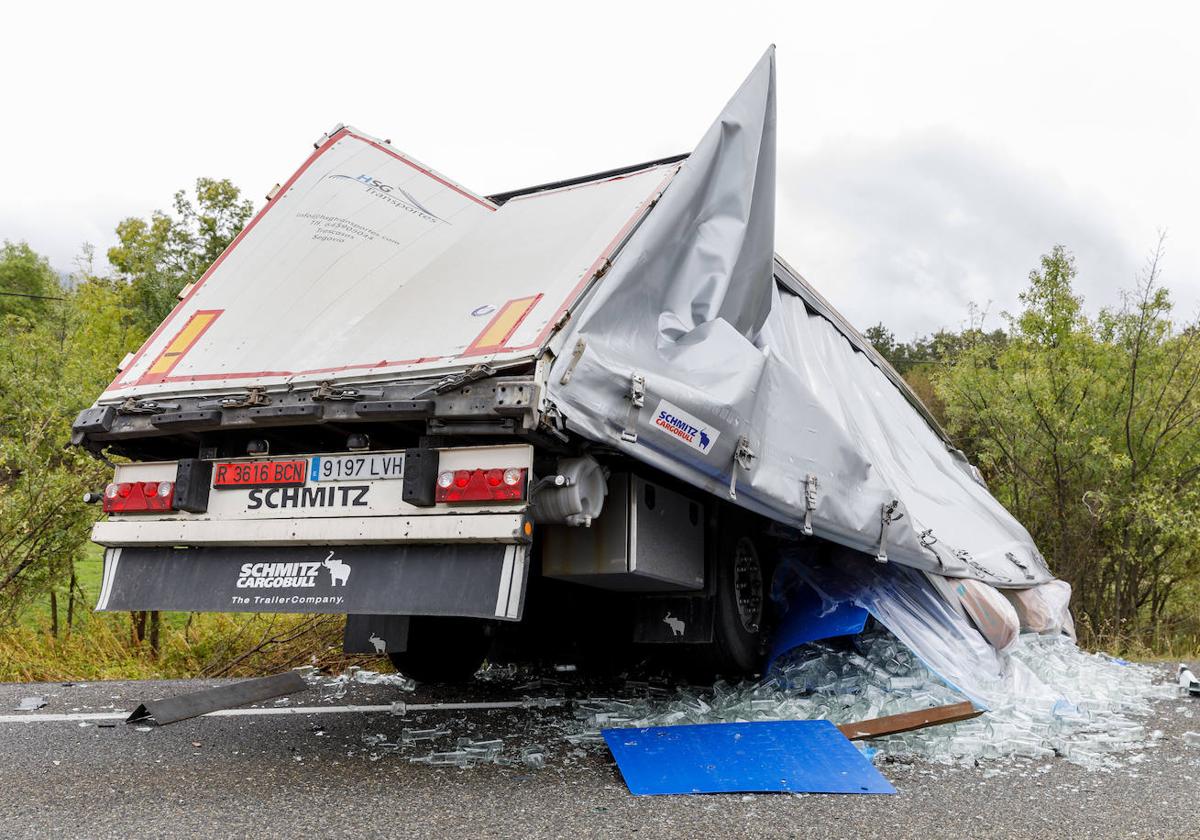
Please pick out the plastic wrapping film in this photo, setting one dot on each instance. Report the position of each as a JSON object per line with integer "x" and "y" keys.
{"x": 905, "y": 602}
{"x": 1045, "y": 608}
{"x": 690, "y": 356}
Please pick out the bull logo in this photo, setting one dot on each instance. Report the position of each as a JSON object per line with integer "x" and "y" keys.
{"x": 339, "y": 572}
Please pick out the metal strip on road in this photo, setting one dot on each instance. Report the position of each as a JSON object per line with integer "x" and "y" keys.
{"x": 229, "y": 696}
{"x": 400, "y": 708}
{"x": 280, "y": 710}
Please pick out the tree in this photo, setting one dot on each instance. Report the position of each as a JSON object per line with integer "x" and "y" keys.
{"x": 159, "y": 256}
{"x": 1089, "y": 432}
{"x": 883, "y": 340}
{"x": 28, "y": 284}
{"x": 51, "y": 367}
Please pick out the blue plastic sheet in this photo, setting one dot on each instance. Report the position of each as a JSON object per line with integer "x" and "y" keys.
{"x": 789, "y": 756}
{"x": 809, "y": 618}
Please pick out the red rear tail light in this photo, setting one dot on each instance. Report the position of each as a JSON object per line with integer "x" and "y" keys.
{"x": 492, "y": 485}
{"x": 139, "y": 497}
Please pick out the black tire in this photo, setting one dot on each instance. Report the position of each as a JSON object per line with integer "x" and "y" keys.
{"x": 443, "y": 650}
{"x": 741, "y": 574}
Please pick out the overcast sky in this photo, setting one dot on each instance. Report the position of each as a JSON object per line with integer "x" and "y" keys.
{"x": 929, "y": 152}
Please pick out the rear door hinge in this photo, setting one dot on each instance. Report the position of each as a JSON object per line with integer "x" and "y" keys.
{"x": 457, "y": 380}
{"x": 252, "y": 397}
{"x": 136, "y": 406}
{"x": 328, "y": 391}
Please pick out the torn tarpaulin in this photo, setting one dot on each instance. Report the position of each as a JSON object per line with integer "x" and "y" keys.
{"x": 789, "y": 411}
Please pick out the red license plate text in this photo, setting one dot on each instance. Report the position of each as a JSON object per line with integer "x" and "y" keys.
{"x": 260, "y": 474}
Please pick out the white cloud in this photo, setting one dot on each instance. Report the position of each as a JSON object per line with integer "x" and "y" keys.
{"x": 912, "y": 231}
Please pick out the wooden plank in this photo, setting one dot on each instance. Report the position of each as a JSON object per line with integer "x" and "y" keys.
{"x": 907, "y": 722}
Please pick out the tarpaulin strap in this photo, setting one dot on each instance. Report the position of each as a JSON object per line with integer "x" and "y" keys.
{"x": 1041, "y": 561}
{"x": 1020, "y": 564}
{"x": 928, "y": 540}
{"x": 965, "y": 556}
{"x": 890, "y": 512}
{"x": 743, "y": 457}
{"x": 576, "y": 355}
{"x": 810, "y": 502}
{"x": 637, "y": 398}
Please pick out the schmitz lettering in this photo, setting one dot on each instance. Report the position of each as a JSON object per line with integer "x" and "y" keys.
{"x": 330, "y": 495}
{"x": 278, "y": 575}
{"x": 685, "y": 427}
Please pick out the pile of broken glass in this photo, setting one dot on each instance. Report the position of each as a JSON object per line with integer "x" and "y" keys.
{"x": 1087, "y": 708}
{"x": 934, "y": 642}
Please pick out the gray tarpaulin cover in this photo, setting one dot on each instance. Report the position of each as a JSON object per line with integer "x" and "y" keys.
{"x": 697, "y": 353}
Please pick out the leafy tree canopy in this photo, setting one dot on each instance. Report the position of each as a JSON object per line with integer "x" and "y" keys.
{"x": 160, "y": 255}
{"x": 27, "y": 282}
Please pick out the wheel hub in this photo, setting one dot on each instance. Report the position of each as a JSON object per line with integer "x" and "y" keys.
{"x": 748, "y": 586}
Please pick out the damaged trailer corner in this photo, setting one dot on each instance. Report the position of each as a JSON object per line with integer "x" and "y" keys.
{"x": 600, "y": 415}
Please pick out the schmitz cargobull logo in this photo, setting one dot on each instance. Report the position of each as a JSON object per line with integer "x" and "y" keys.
{"x": 292, "y": 575}
{"x": 685, "y": 427}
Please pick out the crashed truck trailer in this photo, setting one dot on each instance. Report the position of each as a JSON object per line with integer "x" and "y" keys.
{"x": 604, "y": 402}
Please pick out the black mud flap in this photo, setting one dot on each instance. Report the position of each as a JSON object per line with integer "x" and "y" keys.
{"x": 468, "y": 580}
{"x": 673, "y": 620}
{"x": 375, "y": 634}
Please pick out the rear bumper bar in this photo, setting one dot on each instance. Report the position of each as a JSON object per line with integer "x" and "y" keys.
{"x": 436, "y": 528}
{"x": 471, "y": 580}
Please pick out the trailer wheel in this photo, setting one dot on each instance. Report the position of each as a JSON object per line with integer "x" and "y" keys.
{"x": 443, "y": 650}
{"x": 740, "y": 604}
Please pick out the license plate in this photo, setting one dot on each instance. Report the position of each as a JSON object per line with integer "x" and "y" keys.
{"x": 371, "y": 467}
{"x": 242, "y": 474}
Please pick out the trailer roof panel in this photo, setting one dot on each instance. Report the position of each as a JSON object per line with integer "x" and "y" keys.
{"x": 369, "y": 265}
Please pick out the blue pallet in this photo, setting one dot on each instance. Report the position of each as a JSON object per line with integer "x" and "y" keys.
{"x": 791, "y": 756}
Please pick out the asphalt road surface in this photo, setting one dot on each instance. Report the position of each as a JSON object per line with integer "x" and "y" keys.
{"x": 316, "y": 776}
